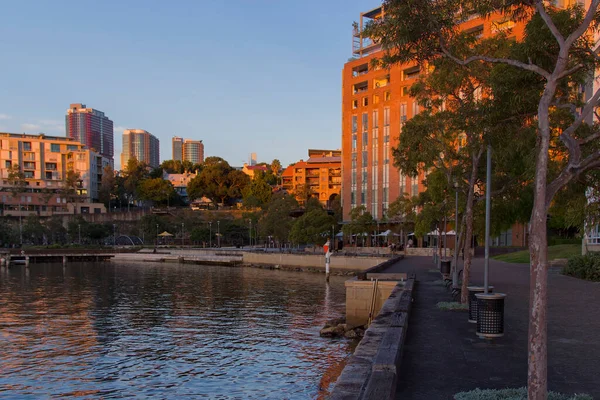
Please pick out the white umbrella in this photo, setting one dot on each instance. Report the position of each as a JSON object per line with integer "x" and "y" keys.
{"x": 450, "y": 233}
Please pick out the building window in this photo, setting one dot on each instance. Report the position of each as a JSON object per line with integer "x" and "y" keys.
{"x": 8, "y": 164}
{"x": 375, "y": 99}
{"x": 375, "y": 119}
{"x": 55, "y": 148}
{"x": 28, "y": 174}
{"x": 386, "y": 116}
{"x": 402, "y": 114}
{"x": 27, "y": 146}
{"x": 354, "y": 104}
{"x": 387, "y": 96}
{"x": 365, "y": 101}
{"x": 365, "y": 138}
{"x": 365, "y": 122}
{"x": 415, "y": 108}
{"x": 48, "y": 175}
{"x": 364, "y": 157}
{"x": 415, "y": 186}
{"x": 354, "y": 123}
{"x": 354, "y": 139}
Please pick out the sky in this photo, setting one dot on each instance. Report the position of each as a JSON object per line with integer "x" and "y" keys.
{"x": 243, "y": 76}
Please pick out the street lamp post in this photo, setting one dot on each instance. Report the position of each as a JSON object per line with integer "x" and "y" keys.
{"x": 455, "y": 270}
{"x": 157, "y": 234}
{"x": 115, "y": 236}
{"x": 250, "y": 233}
{"x": 182, "y": 235}
{"x": 210, "y": 234}
{"x": 219, "y": 234}
{"x": 79, "y": 226}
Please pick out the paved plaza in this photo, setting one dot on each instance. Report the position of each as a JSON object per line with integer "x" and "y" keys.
{"x": 443, "y": 355}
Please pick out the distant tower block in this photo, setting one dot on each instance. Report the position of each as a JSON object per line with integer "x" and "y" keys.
{"x": 252, "y": 159}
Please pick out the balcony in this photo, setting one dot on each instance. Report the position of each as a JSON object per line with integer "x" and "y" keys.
{"x": 361, "y": 87}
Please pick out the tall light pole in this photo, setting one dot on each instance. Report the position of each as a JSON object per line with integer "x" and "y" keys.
{"x": 219, "y": 234}
{"x": 20, "y": 223}
{"x": 157, "y": 234}
{"x": 79, "y": 226}
{"x": 250, "y": 233}
{"x": 455, "y": 270}
{"x": 182, "y": 235}
{"x": 114, "y": 236}
{"x": 488, "y": 212}
{"x": 210, "y": 234}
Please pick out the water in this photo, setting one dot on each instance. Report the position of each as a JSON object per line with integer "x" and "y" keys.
{"x": 167, "y": 331}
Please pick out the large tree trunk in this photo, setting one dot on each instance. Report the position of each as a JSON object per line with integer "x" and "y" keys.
{"x": 464, "y": 292}
{"x": 537, "y": 373}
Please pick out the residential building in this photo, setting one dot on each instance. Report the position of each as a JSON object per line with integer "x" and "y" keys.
{"x": 141, "y": 145}
{"x": 250, "y": 169}
{"x": 177, "y": 144}
{"x": 375, "y": 106}
{"x": 180, "y": 182}
{"x": 91, "y": 128}
{"x": 252, "y": 159}
{"x": 188, "y": 150}
{"x": 193, "y": 151}
{"x": 320, "y": 176}
{"x": 45, "y": 162}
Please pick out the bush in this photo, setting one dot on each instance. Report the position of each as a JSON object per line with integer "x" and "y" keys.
{"x": 584, "y": 267}
{"x": 512, "y": 394}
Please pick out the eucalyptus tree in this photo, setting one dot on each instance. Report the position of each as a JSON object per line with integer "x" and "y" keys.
{"x": 558, "y": 49}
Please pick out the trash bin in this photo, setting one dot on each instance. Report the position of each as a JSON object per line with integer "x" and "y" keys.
{"x": 490, "y": 315}
{"x": 445, "y": 266}
{"x": 473, "y": 290}
{"x": 435, "y": 258}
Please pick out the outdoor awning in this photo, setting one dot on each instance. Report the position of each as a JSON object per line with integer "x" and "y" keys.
{"x": 165, "y": 234}
{"x": 451, "y": 233}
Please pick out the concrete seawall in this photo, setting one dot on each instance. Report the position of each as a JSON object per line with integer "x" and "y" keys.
{"x": 314, "y": 261}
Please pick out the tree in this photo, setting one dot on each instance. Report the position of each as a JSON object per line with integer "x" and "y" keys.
{"x": 361, "y": 223}
{"x": 275, "y": 168}
{"x": 133, "y": 175}
{"x": 157, "y": 190}
{"x": 313, "y": 227}
{"x": 559, "y": 64}
{"x": 276, "y": 221}
{"x": 33, "y": 231}
{"x": 107, "y": 185}
{"x": 257, "y": 193}
{"x": 218, "y": 181}
{"x": 402, "y": 211}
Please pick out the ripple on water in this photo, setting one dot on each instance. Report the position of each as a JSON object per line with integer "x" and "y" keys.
{"x": 121, "y": 331}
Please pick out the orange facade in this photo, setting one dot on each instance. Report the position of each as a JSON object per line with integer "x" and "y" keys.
{"x": 320, "y": 175}
{"x": 375, "y": 106}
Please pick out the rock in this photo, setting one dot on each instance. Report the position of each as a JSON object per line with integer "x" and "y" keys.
{"x": 351, "y": 334}
{"x": 359, "y": 332}
{"x": 328, "y": 331}
{"x": 340, "y": 330}
{"x": 335, "y": 322}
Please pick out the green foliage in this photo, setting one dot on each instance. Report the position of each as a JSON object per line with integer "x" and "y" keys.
{"x": 135, "y": 173}
{"x": 452, "y": 306}
{"x": 33, "y": 230}
{"x": 276, "y": 221}
{"x": 361, "y": 222}
{"x": 512, "y": 394}
{"x": 157, "y": 190}
{"x": 179, "y": 167}
{"x": 314, "y": 227}
{"x": 218, "y": 181}
{"x": 258, "y": 193}
{"x": 107, "y": 185}
{"x": 17, "y": 181}
{"x": 584, "y": 267}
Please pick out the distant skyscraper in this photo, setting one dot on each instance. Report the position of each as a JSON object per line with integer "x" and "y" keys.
{"x": 90, "y": 127}
{"x": 141, "y": 145}
{"x": 188, "y": 150}
{"x": 193, "y": 151}
{"x": 177, "y": 148}
{"x": 252, "y": 159}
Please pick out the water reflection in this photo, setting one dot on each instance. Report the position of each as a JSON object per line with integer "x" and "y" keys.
{"x": 119, "y": 331}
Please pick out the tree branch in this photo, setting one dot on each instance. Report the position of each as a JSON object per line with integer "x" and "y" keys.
{"x": 570, "y": 71}
{"x": 539, "y": 5}
{"x": 529, "y": 67}
{"x": 589, "y": 139}
{"x": 569, "y": 173}
{"x": 589, "y": 17}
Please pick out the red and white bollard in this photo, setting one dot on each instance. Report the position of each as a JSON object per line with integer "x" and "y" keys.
{"x": 327, "y": 260}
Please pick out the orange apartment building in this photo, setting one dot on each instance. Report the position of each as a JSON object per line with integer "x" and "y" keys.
{"x": 322, "y": 173}
{"x": 45, "y": 161}
{"x": 375, "y": 106}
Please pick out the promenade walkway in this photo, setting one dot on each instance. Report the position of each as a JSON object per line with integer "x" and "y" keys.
{"x": 443, "y": 356}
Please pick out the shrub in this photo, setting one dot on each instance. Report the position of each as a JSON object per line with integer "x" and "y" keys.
{"x": 555, "y": 241}
{"x": 584, "y": 267}
{"x": 452, "y": 306}
{"x": 512, "y": 394}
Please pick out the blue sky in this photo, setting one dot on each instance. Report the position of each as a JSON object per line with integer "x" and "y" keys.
{"x": 243, "y": 76}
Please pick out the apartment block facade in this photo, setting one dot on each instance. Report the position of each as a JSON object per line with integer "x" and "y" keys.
{"x": 45, "y": 162}
{"x": 91, "y": 128}
{"x": 375, "y": 106}
{"x": 321, "y": 175}
{"x": 188, "y": 150}
{"x": 141, "y": 145}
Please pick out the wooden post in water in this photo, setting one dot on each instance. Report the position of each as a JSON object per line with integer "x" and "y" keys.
{"x": 327, "y": 259}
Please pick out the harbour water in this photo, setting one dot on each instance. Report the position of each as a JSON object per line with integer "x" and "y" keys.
{"x": 167, "y": 331}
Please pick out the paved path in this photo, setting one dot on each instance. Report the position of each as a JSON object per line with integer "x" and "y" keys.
{"x": 443, "y": 356}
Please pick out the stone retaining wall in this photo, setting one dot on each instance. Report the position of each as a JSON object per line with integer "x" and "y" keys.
{"x": 372, "y": 371}
{"x": 316, "y": 261}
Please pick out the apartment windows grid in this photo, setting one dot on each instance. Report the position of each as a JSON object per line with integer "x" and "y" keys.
{"x": 354, "y": 123}
{"x": 415, "y": 107}
{"x": 365, "y": 129}
{"x": 403, "y": 116}
{"x": 375, "y": 118}
{"x": 415, "y": 185}
{"x": 386, "y": 116}
{"x": 403, "y": 188}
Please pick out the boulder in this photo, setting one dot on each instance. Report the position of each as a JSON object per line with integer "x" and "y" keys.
{"x": 351, "y": 334}
{"x": 328, "y": 331}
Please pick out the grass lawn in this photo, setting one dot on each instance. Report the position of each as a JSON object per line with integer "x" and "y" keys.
{"x": 554, "y": 252}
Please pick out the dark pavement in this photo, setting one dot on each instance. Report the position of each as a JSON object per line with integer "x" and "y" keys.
{"x": 443, "y": 356}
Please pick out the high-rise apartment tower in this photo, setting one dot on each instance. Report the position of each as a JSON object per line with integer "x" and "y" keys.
{"x": 188, "y": 150}
{"x": 141, "y": 145}
{"x": 375, "y": 106}
{"x": 90, "y": 127}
